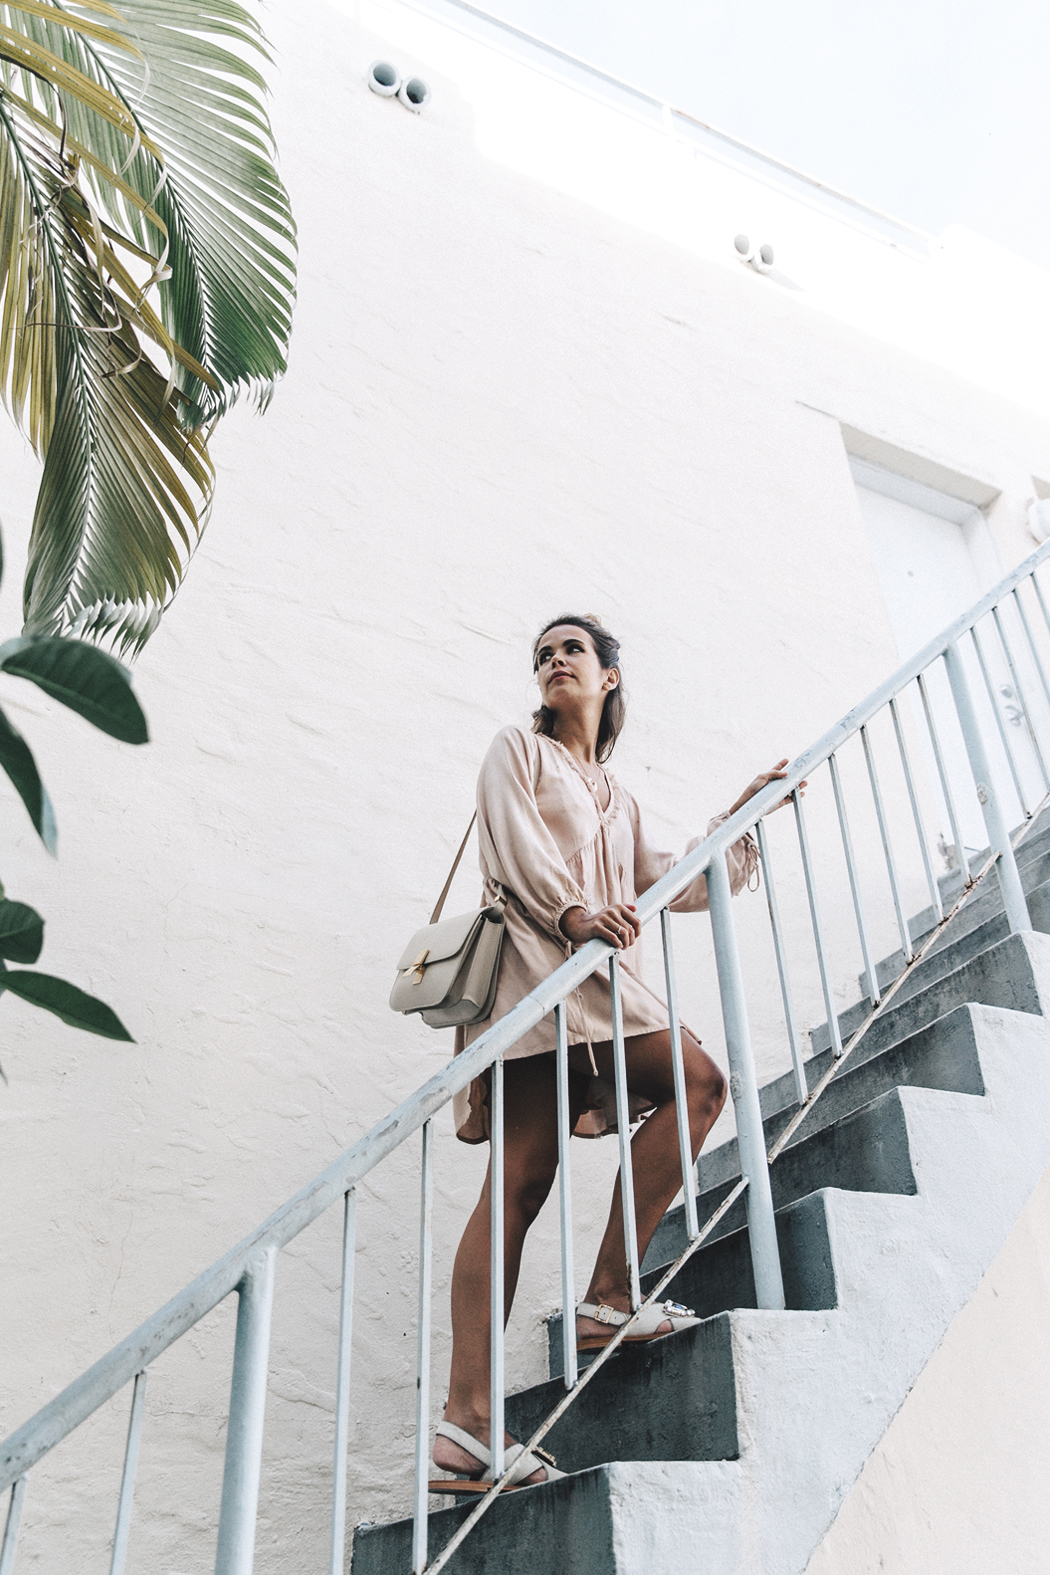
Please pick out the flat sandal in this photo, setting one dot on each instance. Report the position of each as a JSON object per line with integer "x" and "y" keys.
{"x": 524, "y": 1464}
{"x": 645, "y": 1327}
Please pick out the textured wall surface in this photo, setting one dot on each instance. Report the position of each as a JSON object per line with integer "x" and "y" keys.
{"x": 501, "y": 402}
{"x": 958, "y": 1483}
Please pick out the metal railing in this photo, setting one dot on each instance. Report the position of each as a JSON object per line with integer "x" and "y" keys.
{"x": 249, "y": 1268}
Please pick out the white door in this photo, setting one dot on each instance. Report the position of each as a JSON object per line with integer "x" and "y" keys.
{"x": 935, "y": 558}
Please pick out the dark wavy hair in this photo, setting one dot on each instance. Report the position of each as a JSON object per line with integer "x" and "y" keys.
{"x": 607, "y": 650}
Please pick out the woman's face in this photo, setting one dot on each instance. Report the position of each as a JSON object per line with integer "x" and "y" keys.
{"x": 568, "y": 670}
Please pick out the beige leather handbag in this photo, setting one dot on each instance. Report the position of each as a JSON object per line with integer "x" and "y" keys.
{"x": 448, "y": 971}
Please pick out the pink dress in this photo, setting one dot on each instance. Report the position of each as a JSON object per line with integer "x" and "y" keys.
{"x": 545, "y": 840}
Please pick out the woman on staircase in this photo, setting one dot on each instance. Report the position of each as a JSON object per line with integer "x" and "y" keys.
{"x": 563, "y": 842}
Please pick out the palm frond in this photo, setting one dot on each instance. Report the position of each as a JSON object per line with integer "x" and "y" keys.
{"x": 95, "y": 226}
{"x": 217, "y": 211}
{"x": 125, "y": 488}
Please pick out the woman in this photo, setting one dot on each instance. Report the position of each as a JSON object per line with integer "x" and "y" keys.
{"x": 564, "y": 843}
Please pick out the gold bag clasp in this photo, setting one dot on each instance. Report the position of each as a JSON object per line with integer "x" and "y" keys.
{"x": 418, "y": 966}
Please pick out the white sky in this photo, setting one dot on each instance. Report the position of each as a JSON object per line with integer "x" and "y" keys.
{"x": 937, "y": 111}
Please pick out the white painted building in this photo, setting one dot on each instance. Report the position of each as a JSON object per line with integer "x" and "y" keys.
{"x": 530, "y": 372}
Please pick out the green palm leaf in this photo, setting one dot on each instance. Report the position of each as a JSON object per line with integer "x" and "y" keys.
{"x": 217, "y": 208}
{"x": 93, "y": 220}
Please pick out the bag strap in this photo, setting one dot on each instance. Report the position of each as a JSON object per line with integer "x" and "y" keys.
{"x": 435, "y": 916}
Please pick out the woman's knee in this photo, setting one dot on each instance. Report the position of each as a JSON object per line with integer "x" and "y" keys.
{"x": 705, "y": 1081}
{"x": 525, "y": 1195}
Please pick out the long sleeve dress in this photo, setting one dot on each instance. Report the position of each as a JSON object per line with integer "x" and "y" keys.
{"x": 546, "y": 842}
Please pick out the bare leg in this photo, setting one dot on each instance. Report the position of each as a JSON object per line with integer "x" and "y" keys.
{"x": 530, "y": 1165}
{"x": 654, "y": 1151}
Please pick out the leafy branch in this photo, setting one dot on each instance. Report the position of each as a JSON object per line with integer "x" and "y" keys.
{"x": 98, "y": 688}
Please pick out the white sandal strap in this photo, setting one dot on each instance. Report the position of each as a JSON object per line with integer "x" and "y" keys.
{"x": 465, "y": 1440}
{"x": 524, "y": 1465}
{"x": 602, "y": 1313}
{"x": 647, "y": 1323}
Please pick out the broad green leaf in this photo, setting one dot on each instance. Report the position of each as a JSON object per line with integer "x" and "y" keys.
{"x": 73, "y": 1006}
{"x": 21, "y": 931}
{"x": 17, "y": 760}
{"x": 85, "y": 679}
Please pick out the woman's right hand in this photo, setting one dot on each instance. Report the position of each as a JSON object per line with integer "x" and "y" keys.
{"x": 618, "y": 924}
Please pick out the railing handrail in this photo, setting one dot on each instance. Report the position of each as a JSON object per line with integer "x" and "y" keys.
{"x": 54, "y": 1421}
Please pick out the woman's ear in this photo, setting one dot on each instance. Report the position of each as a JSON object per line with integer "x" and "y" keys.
{"x": 612, "y": 679}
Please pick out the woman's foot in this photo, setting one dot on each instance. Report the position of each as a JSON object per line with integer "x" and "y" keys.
{"x": 598, "y": 1323}
{"x": 451, "y": 1456}
{"x": 619, "y": 1301}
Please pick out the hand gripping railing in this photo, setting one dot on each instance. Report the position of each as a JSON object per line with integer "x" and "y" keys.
{"x": 249, "y": 1268}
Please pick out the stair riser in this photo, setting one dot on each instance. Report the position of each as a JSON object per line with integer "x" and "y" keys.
{"x": 566, "y": 1526}
{"x": 671, "y": 1399}
{"x": 666, "y": 1415}
{"x": 1033, "y": 864}
{"x": 719, "y": 1276}
{"x": 941, "y": 1056}
{"x": 865, "y": 1152}
{"x": 1001, "y": 976}
{"x": 988, "y": 924}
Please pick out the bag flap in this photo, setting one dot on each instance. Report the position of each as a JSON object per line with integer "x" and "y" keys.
{"x": 441, "y": 940}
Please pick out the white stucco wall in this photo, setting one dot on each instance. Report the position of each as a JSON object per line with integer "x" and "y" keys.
{"x": 958, "y": 1485}
{"x": 502, "y": 401}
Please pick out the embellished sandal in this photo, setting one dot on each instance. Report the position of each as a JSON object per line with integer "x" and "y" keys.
{"x": 646, "y": 1326}
{"x": 524, "y": 1464}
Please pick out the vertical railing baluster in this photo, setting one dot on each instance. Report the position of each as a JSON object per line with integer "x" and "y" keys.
{"x": 946, "y": 789}
{"x": 497, "y": 1384}
{"x": 816, "y": 926}
{"x": 743, "y": 1085}
{"x": 913, "y": 799}
{"x": 874, "y": 993}
{"x": 127, "y": 1481}
{"x": 1036, "y": 658}
{"x": 795, "y": 1044}
{"x": 1019, "y": 691}
{"x": 887, "y": 847}
{"x": 681, "y": 1097}
{"x": 337, "y": 1560}
{"x": 623, "y": 1127}
{"x": 1000, "y": 724}
{"x": 14, "y": 1516}
{"x": 426, "y": 1258}
{"x": 568, "y": 1271}
{"x": 235, "y": 1552}
{"x": 1037, "y": 588}
{"x": 995, "y": 822}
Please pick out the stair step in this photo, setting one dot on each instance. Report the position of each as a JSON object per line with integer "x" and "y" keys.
{"x": 672, "y": 1399}
{"x": 1000, "y": 975}
{"x": 1033, "y": 863}
{"x": 719, "y": 1276}
{"x": 984, "y": 906}
{"x": 562, "y": 1526}
{"x": 867, "y": 1151}
{"x": 814, "y": 1390}
{"x": 675, "y": 1401}
{"x": 953, "y": 950}
{"x": 950, "y": 884}
{"x": 942, "y": 1055}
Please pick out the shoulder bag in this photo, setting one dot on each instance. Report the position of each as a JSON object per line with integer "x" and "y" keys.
{"x": 448, "y": 970}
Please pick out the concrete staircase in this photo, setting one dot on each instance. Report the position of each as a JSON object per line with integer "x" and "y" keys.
{"x": 727, "y": 1449}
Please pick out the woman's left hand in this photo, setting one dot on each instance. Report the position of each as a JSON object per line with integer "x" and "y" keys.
{"x": 777, "y": 774}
